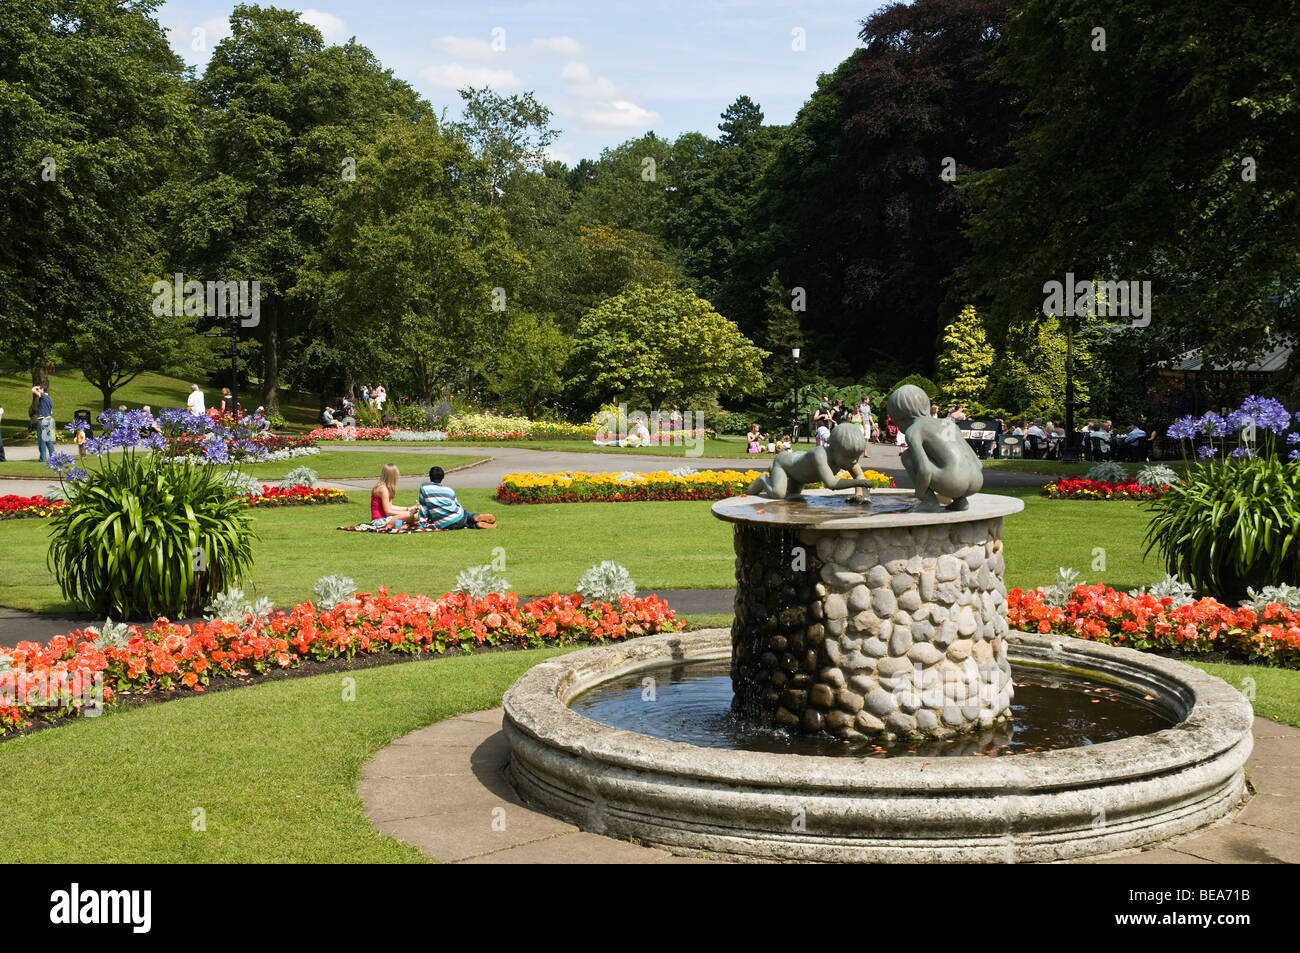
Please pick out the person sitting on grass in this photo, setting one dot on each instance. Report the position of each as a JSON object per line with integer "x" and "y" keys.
{"x": 440, "y": 509}
{"x": 383, "y": 513}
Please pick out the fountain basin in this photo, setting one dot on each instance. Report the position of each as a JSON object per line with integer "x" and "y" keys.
{"x": 861, "y": 622}
{"x": 1044, "y": 806}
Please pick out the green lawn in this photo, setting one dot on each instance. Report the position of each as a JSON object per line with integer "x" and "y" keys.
{"x": 274, "y": 767}
{"x": 663, "y": 545}
{"x": 548, "y": 547}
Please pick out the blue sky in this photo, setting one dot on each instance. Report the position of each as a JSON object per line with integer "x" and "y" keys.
{"x": 609, "y": 71}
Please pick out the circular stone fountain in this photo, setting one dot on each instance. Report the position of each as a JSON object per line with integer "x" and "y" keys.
{"x": 881, "y": 631}
{"x": 869, "y": 621}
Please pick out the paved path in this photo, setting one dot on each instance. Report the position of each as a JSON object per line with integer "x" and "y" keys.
{"x": 443, "y": 789}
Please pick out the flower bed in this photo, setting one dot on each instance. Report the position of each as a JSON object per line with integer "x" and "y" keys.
{"x": 274, "y": 495}
{"x": 662, "y": 436}
{"x": 54, "y": 679}
{"x": 1077, "y": 488}
{"x": 1106, "y": 615}
{"x": 27, "y": 507}
{"x": 337, "y": 434}
{"x": 578, "y": 487}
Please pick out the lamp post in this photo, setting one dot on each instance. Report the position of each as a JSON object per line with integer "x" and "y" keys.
{"x": 794, "y": 417}
{"x": 1067, "y": 455}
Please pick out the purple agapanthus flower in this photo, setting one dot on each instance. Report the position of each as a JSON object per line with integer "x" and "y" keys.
{"x": 1206, "y": 452}
{"x": 1243, "y": 453}
{"x": 59, "y": 462}
{"x": 1264, "y": 411}
{"x": 75, "y": 475}
{"x": 214, "y": 451}
{"x": 1295, "y": 455}
{"x": 1292, "y": 439}
{"x": 1184, "y": 428}
{"x": 1212, "y": 425}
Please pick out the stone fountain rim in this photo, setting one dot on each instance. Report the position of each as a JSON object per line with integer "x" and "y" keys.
{"x": 743, "y": 509}
{"x": 1214, "y": 719}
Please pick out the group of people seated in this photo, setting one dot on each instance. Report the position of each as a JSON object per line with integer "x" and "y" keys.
{"x": 759, "y": 442}
{"x": 1101, "y": 441}
{"x": 437, "y": 506}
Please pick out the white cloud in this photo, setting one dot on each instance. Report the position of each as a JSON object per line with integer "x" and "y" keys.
{"x": 579, "y": 80}
{"x": 621, "y": 113}
{"x": 213, "y": 31}
{"x": 561, "y": 45}
{"x": 458, "y": 76}
{"x": 464, "y": 47}
{"x": 331, "y": 27}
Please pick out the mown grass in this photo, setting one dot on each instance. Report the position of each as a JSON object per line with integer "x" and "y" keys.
{"x": 274, "y": 768}
{"x": 547, "y": 547}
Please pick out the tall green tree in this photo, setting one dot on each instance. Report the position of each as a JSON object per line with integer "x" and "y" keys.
{"x": 1164, "y": 148}
{"x": 406, "y": 279}
{"x": 528, "y": 362}
{"x": 965, "y": 360}
{"x": 662, "y": 344}
{"x": 93, "y": 115}
{"x": 285, "y": 118}
{"x": 712, "y": 207}
{"x": 860, "y": 206}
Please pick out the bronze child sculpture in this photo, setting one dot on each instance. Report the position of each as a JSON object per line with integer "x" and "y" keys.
{"x": 937, "y": 458}
{"x": 790, "y": 471}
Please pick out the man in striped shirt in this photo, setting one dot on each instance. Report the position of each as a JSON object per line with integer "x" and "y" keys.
{"x": 440, "y": 509}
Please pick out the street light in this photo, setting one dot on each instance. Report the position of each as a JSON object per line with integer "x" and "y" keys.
{"x": 794, "y": 418}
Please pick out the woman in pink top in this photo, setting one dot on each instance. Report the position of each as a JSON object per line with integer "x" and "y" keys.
{"x": 383, "y": 514}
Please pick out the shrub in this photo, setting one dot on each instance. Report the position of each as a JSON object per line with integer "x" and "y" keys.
{"x": 241, "y": 484}
{"x": 1155, "y": 475}
{"x": 606, "y": 582}
{"x": 1170, "y": 586}
{"x": 1058, "y": 593}
{"x": 1108, "y": 471}
{"x": 299, "y": 476}
{"x": 331, "y": 591}
{"x": 231, "y": 605}
{"x": 1230, "y": 526}
{"x": 144, "y": 536}
{"x": 1288, "y": 597}
{"x": 736, "y": 422}
{"x": 476, "y": 582}
{"x": 927, "y": 385}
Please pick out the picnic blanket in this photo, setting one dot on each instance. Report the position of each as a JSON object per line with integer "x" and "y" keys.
{"x": 406, "y": 528}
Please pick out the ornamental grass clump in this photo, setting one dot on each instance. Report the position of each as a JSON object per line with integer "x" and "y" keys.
{"x": 143, "y": 535}
{"x": 1234, "y": 521}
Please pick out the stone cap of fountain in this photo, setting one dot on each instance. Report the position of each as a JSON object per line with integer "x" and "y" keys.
{"x": 829, "y": 510}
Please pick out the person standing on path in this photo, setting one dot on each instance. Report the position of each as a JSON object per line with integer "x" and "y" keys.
{"x": 44, "y": 421}
{"x": 2, "y": 436}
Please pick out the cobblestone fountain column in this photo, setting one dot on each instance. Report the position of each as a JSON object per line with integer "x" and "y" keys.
{"x": 860, "y": 624}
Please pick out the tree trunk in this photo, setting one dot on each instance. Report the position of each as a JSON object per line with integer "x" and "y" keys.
{"x": 271, "y": 359}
